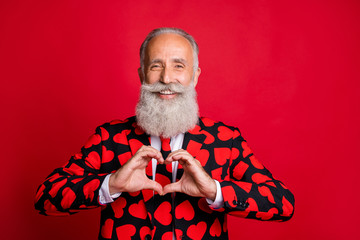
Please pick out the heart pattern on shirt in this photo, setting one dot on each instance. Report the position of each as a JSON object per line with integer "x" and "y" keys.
{"x": 248, "y": 188}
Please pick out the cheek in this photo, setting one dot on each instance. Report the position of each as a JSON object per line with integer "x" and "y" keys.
{"x": 185, "y": 79}
{"x": 152, "y": 78}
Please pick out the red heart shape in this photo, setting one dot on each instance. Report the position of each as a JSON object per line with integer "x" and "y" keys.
{"x": 167, "y": 235}
{"x": 240, "y": 169}
{"x": 267, "y": 215}
{"x": 54, "y": 190}
{"x": 122, "y": 137}
{"x": 193, "y": 147}
{"x": 246, "y": 149}
{"x": 126, "y": 231}
{"x": 221, "y": 155}
{"x": 196, "y": 232}
{"x": 224, "y": 133}
{"x": 195, "y": 130}
{"x": 117, "y": 121}
{"x": 93, "y": 160}
{"x": 124, "y": 157}
{"x": 163, "y": 213}
{"x": 178, "y": 233}
{"x": 209, "y": 137}
{"x": 185, "y": 210}
{"x": 90, "y": 187}
{"x": 118, "y": 206}
{"x": 169, "y": 167}
{"x": 144, "y": 231}
{"x": 260, "y": 178}
{"x": 215, "y": 229}
{"x": 107, "y": 228}
{"x": 94, "y": 139}
{"x": 107, "y": 155}
{"x": 104, "y": 134}
{"x": 163, "y": 180}
{"x": 234, "y": 153}
{"x": 287, "y": 208}
{"x": 68, "y": 197}
{"x": 216, "y": 173}
{"x": 138, "y": 210}
{"x": 147, "y": 194}
{"x": 265, "y": 191}
{"x": 203, "y": 156}
{"x": 229, "y": 194}
{"x": 244, "y": 185}
{"x": 135, "y": 145}
{"x": 208, "y": 122}
{"x": 236, "y": 133}
{"x": 252, "y": 205}
{"x": 134, "y": 194}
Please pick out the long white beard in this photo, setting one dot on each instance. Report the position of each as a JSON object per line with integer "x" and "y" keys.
{"x": 167, "y": 117}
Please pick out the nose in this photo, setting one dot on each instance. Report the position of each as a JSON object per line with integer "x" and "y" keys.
{"x": 166, "y": 76}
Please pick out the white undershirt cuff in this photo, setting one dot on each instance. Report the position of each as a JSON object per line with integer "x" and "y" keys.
{"x": 219, "y": 199}
{"x": 104, "y": 193}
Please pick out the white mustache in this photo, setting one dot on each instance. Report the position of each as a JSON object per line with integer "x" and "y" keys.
{"x": 161, "y": 87}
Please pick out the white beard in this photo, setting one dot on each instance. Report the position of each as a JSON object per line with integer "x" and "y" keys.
{"x": 167, "y": 117}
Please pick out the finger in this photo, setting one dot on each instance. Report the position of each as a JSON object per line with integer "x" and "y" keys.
{"x": 142, "y": 160}
{"x": 158, "y": 156}
{"x": 172, "y": 187}
{"x": 178, "y": 155}
{"x": 151, "y": 154}
{"x": 180, "y": 151}
{"x": 153, "y": 185}
{"x": 183, "y": 159}
{"x": 148, "y": 154}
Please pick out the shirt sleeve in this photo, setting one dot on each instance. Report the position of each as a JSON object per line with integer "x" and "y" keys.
{"x": 104, "y": 193}
{"x": 219, "y": 200}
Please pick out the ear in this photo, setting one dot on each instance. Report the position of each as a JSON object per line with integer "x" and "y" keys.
{"x": 141, "y": 75}
{"x": 196, "y": 76}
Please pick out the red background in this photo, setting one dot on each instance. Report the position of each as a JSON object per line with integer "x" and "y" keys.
{"x": 287, "y": 74}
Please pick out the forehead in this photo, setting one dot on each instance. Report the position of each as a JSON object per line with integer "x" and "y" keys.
{"x": 169, "y": 44}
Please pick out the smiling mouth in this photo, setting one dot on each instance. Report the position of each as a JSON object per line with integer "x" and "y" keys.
{"x": 166, "y": 92}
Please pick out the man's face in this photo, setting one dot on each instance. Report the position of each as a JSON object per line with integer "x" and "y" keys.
{"x": 169, "y": 59}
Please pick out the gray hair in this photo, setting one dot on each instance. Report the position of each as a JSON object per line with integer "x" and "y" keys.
{"x": 159, "y": 31}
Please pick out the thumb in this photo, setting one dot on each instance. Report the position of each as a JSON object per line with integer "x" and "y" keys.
{"x": 172, "y": 187}
{"x": 150, "y": 184}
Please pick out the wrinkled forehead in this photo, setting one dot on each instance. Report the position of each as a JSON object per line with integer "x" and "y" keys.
{"x": 169, "y": 43}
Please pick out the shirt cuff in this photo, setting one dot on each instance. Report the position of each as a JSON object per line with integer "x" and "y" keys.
{"x": 219, "y": 200}
{"x": 104, "y": 193}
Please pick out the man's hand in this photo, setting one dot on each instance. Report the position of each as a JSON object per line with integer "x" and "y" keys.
{"x": 131, "y": 177}
{"x": 195, "y": 181}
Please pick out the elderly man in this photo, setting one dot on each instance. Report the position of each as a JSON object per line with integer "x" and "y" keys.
{"x": 166, "y": 173}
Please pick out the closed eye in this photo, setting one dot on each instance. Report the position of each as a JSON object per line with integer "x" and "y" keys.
{"x": 155, "y": 66}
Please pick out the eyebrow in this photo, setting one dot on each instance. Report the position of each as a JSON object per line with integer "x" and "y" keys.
{"x": 176, "y": 60}
{"x": 180, "y": 60}
{"x": 156, "y": 60}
